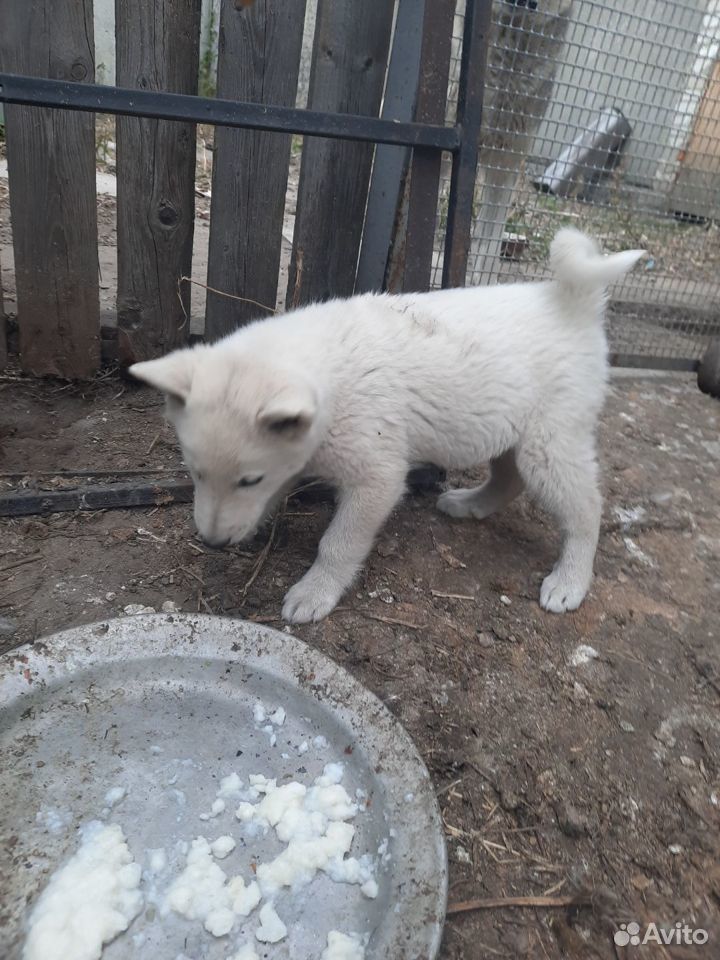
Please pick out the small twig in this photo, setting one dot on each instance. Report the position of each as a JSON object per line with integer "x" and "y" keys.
{"x": 448, "y": 788}
{"x": 486, "y": 948}
{"x": 386, "y": 673}
{"x": 554, "y": 889}
{"x": 298, "y": 278}
{"x": 262, "y": 619}
{"x": 191, "y": 574}
{"x": 393, "y": 621}
{"x": 512, "y": 829}
{"x": 220, "y": 293}
{"x": 14, "y": 593}
{"x": 263, "y": 555}
{"x": 305, "y": 486}
{"x": 20, "y": 563}
{"x": 152, "y": 445}
{"x": 186, "y": 318}
{"x": 494, "y": 903}
{"x": 452, "y": 596}
{"x": 148, "y": 534}
{"x": 495, "y": 846}
{"x": 645, "y": 526}
{"x": 642, "y": 663}
{"x": 455, "y": 831}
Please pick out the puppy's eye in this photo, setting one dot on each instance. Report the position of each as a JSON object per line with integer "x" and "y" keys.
{"x": 249, "y": 481}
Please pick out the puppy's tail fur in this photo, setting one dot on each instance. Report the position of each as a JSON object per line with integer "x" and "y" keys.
{"x": 579, "y": 266}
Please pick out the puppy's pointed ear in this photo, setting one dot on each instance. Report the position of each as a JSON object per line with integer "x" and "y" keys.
{"x": 171, "y": 374}
{"x": 289, "y": 413}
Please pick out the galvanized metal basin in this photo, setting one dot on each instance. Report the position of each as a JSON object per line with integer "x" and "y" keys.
{"x": 163, "y": 706}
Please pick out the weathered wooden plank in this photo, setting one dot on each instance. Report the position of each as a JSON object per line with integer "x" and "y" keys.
{"x": 116, "y": 496}
{"x": 157, "y": 48}
{"x": 347, "y": 76}
{"x": 162, "y": 493}
{"x": 258, "y": 62}
{"x": 51, "y": 163}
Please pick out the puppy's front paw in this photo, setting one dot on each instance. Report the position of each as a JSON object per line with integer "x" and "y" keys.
{"x": 561, "y": 592}
{"x": 312, "y": 598}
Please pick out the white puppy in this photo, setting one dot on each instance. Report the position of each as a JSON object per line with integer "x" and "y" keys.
{"x": 356, "y": 391}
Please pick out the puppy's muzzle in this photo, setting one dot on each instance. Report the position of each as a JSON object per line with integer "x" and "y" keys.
{"x": 216, "y": 543}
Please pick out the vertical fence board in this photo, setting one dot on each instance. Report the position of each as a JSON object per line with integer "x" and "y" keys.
{"x": 157, "y": 47}
{"x": 51, "y": 164}
{"x": 347, "y": 76}
{"x": 258, "y": 61}
{"x": 391, "y": 162}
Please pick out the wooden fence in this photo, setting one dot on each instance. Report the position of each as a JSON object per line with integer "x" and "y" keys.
{"x": 51, "y": 166}
{"x": 51, "y": 161}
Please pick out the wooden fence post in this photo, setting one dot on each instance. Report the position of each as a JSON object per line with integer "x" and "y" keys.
{"x": 258, "y": 61}
{"x": 347, "y": 76}
{"x": 51, "y": 163}
{"x": 157, "y": 47}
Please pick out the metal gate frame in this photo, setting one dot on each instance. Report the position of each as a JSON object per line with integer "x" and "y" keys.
{"x": 460, "y": 140}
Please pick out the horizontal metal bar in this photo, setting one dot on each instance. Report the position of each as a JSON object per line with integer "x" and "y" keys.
{"x": 39, "y": 92}
{"x": 643, "y": 362}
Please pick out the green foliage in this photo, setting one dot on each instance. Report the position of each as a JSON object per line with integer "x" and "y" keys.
{"x": 207, "y": 74}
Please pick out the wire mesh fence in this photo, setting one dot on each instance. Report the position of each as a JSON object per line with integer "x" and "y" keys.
{"x": 605, "y": 116}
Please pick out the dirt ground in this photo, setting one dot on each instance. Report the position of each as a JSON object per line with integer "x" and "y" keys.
{"x": 575, "y": 757}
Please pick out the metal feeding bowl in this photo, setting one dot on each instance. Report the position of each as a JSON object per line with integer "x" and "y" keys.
{"x": 163, "y": 706}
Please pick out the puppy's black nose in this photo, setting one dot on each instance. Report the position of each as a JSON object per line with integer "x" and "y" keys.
{"x": 216, "y": 543}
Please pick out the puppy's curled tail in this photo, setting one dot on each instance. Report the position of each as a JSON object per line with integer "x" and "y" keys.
{"x": 579, "y": 266}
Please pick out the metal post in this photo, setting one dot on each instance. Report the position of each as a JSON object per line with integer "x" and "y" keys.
{"x": 469, "y": 117}
{"x": 398, "y": 102}
{"x": 425, "y": 164}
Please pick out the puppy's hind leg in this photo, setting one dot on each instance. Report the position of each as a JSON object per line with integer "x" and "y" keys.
{"x": 503, "y": 485}
{"x": 561, "y": 473}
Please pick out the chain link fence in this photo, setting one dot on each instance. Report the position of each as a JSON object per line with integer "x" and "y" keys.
{"x": 605, "y": 116}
